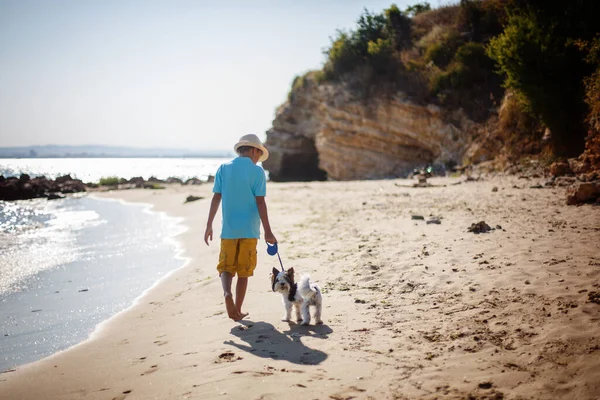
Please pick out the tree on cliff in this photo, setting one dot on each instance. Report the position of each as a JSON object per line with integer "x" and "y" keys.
{"x": 537, "y": 56}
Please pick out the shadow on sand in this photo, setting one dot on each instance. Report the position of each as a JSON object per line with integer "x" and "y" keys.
{"x": 267, "y": 342}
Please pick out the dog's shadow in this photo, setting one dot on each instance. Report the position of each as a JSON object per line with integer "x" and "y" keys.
{"x": 264, "y": 340}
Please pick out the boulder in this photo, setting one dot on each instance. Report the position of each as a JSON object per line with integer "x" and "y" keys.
{"x": 62, "y": 179}
{"x": 138, "y": 181}
{"x": 154, "y": 179}
{"x": 584, "y": 192}
{"x": 9, "y": 189}
{"x": 560, "y": 168}
{"x": 193, "y": 181}
{"x": 26, "y": 187}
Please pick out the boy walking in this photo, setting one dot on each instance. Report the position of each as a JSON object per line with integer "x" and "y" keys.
{"x": 241, "y": 185}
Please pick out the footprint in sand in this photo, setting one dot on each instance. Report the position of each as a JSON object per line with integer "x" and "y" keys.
{"x": 122, "y": 396}
{"x": 139, "y": 360}
{"x": 160, "y": 342}
{"x": 152, "y": 369}
{"x": 346, "y": 394}
{"x": 228, "y": 356}
{"x": 257, "y": 374}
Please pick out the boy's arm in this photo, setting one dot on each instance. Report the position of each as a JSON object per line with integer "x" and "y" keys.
{"x": 264, "y": 217}
{"x": 214, "y": 207}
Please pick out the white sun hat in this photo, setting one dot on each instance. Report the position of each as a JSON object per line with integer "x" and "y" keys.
{"x": 253, "y": 141}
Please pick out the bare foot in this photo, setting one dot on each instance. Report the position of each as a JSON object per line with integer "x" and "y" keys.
{"x": 242, "y": 316}
{"x": 232, "y": 310}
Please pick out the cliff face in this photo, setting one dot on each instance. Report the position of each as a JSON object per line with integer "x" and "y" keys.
{"x": 323, "y": 132}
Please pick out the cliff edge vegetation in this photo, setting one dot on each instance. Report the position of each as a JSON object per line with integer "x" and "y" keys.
{"x": 461, "y": 83}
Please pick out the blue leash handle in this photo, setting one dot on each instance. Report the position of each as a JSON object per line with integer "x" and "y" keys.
{"x": 272, "y": 250}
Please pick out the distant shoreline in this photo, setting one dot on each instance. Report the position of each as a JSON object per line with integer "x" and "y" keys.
{"x": 101, "y": 151}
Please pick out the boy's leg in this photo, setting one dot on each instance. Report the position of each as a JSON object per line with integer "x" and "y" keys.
{"x": 246, "y": 263}
{"x": 226, "y": 270}
{"x": 232, "y": 311}
{"x": 240, "y": 293}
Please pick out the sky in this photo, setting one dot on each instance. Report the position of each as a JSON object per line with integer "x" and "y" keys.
{"x": 157, "y": 74}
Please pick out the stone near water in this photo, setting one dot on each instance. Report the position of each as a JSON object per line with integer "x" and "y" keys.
{"x": 25, "y": 187}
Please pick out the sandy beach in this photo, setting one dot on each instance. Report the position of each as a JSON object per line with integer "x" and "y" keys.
{"x": 413, "y": 308}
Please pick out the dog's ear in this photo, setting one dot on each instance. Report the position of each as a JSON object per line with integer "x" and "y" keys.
{"x": 275, "y": 272}
{"x": 290, "y": 272}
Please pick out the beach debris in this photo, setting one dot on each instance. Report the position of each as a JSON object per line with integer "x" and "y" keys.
{"x": 191, "y": 198}
{"x": 495, "y": 189}
{"x": 479, "y": 227}
{"x": 434, "y": 220}
{"x": 485, "y": 385}
{"x": 418, "y": 217}
{"x": 84, "y": 290}
{"x": 594, "y": 297}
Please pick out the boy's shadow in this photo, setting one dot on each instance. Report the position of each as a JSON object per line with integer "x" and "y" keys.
{"x": 267, "y": 342}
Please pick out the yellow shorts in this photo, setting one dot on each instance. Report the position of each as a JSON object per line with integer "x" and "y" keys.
{"x": 238, "y": 256}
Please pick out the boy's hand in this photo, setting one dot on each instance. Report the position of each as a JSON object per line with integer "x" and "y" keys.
{"x": 270, "y": 238}
{"x": 208, "y": 234}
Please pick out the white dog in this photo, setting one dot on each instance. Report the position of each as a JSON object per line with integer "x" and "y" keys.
{"x": 300, "y": 295}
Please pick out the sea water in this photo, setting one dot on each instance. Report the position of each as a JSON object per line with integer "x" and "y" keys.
{"x": 92, "y": 169}
{"x": 68, "y": 264}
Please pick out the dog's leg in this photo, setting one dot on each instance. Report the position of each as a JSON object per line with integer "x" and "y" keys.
{"x": 288, "y": 311}
{"x": 298, "y": 316}
{"x": 305, "y": 313}
{"x": 318, "y": 310}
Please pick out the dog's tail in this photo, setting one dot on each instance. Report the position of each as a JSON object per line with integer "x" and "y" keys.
{"x": 307, "y": 288}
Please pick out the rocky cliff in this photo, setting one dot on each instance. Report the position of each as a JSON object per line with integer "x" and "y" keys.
{"x": 323, "y": 131}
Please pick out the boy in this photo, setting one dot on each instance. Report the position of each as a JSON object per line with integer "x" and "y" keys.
{"x": 242, "y": 186}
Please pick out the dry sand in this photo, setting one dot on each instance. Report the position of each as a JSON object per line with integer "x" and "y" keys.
{"x": 412, "y": 310}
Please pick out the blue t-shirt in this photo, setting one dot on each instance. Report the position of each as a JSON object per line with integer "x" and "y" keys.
{"x": 239, "y": 181}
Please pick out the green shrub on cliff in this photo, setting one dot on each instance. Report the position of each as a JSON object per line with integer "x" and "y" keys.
{"x": 420, "y": 52}
{"x": 417, "y": 9}
{"x": 537, "y": 56}
{"x": 372, "y": 45}
{"x": 442, "y": 50}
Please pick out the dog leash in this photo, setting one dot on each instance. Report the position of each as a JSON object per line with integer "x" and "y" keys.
{"x": 272, "y": 250}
